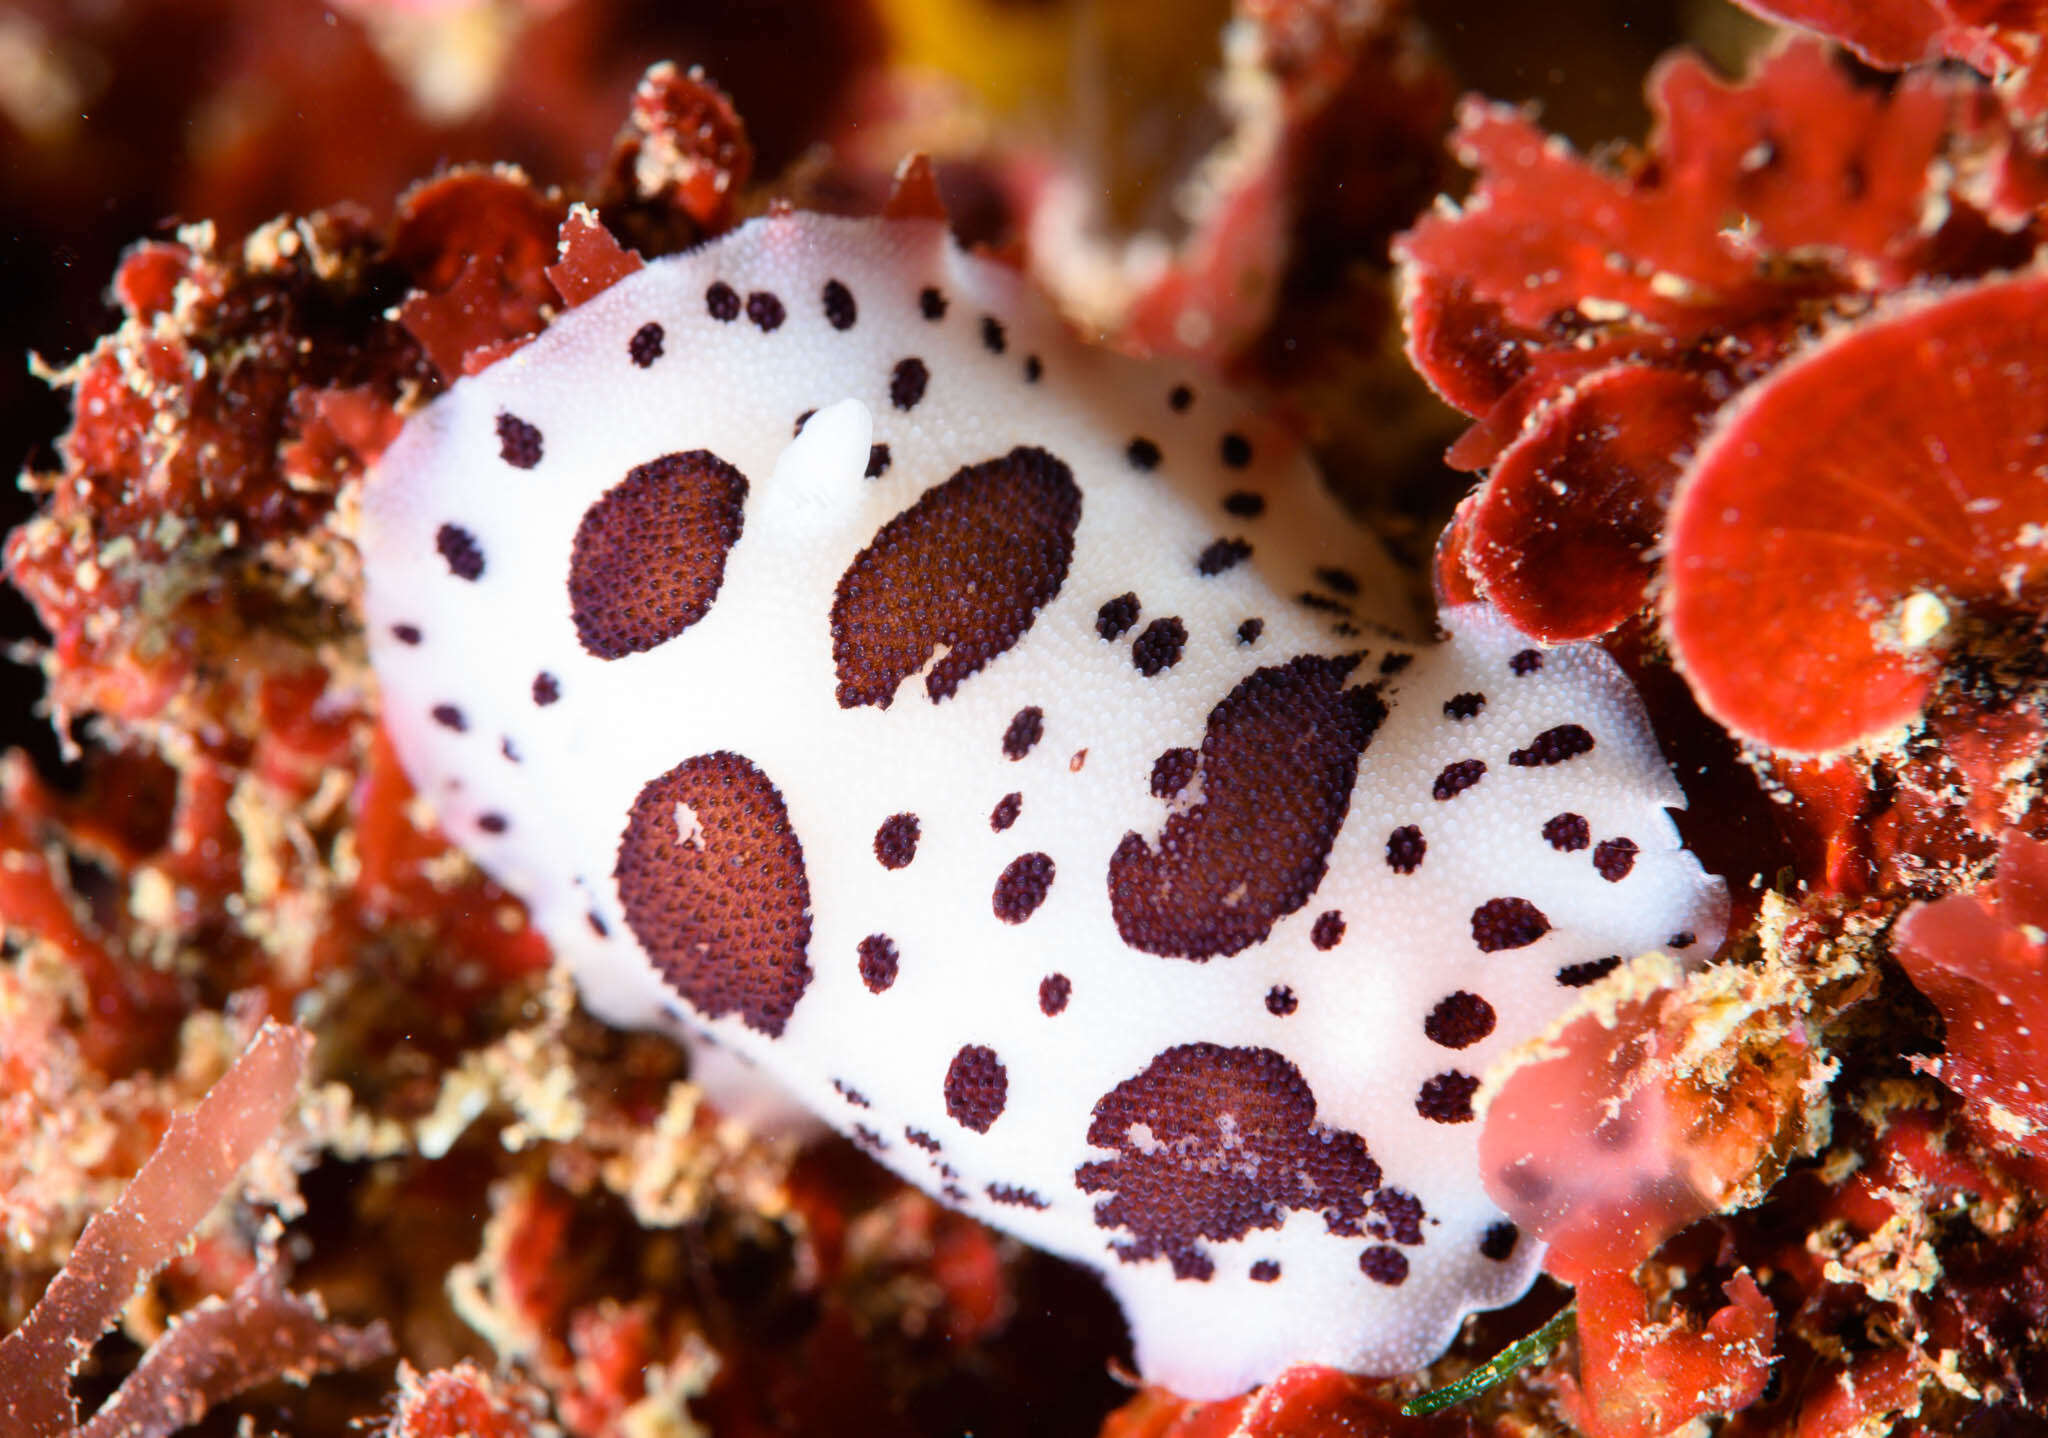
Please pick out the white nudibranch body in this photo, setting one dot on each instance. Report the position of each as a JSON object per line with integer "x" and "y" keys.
{"x": 1005, "y": 746}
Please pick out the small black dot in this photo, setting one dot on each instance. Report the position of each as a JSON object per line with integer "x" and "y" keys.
{"x": 459, "y": 547}
{"x": 907, "y": 382}
{"x": 1577, "y": 976}
{"x": 1280, "y": 1001}
{"x": 1033, "y": 369}
{"x": 1463, "y": 706}
{"x": 1249, "y": 631}
{"x": 1455, "y": 778}
{"x": 931, "y": 304}
{"x": 546, "y": 689}
{"x": 519, "y": 443}
{"x": 1447, "y": 1098}
{"x": 1244, "y": 504}
{"x": 1053, "y": 992}
{"x": 878, "y": 461}
{"x": 1159, "y": 648}
{"x": 1405, "y": 849}
{"x": 1142, "y": 453}
{"x": 1328, "y": 930}
{"x": 723, "y": 302}
{"x": 1394, "y": 663}
{"x": 493, "y": 823}
{"x": 1384, "y": 1265}
{"x": 840, "y": 310}
{"x": 1498, "y": 1242}
{"x": 1116, "y": 616}
{"x": 1337, "y": 581}
{"x": 992, "y": 338}
{"x": 450, "y": 717}
{"x": 878, "y": 961}
{"x": 646, "y": 345}
{"x": 765, "y": 310}
{"x": 1221, "y": 555}
{"x": 406, "y": 633}
{"x": 597, "y": 925}
{"x": 1236, "y": 450}
{"x": 1567, "y": 833}
{"x": 1179, "y": 398}
{"x": 1265, "y": 1271}
{"x": 1005, "y": 812}
{"x": 1527, "y": 662}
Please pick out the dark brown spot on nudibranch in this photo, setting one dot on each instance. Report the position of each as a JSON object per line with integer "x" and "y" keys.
{"x": 1328, "y": 930}
{"x": 977, "y": 1087}
{"x": 1455, "y": 778}
{"x": 1554, "y": 746}
{"x": 1525, "y": 663}
{"x": 546, "y": 689}
{"x": 1172, "y": 770}
{"x": 1244, "y": 504}
{"x": 801, "y": 420}
{"x": 1221, "y": 555}
{"x": 1265, "y": 1271}
{"x": 1005, "y": 812}
{"x": 992, "y": 337}
{"x": 1464, "y": 706}
{"x": 1179, "y": 398}
{"x": 1577, "y": 976}
{"x": 1023, "y": 887}
{"x": 931, "y": 304}
{"x": 840, "y": 309}
{"x": 1249, "y": 631}
{"x": 907, "y": 383}
{"x": 1498, "y": 1242}
{"x": 878, "y": 461}
{"x": 1613, "y": 859}
{"x": 722, "y": 302}
{"x": 647, "y": 344}
{"x": 1447, "y": 1098}
{"x": 493, "y": 823}
{"x": 1509, "y": 923}
{"x": 1053, "y": 992}
{"x": 1281, "y": 1001}
{"x": 1211, "y": 1143}
{"x": 1567, "y": 833}
{"x": 1236, "y": 451}
{"x": 1116, "y": 616}
{"x": 519, "y": 443}
{"x": 1015, "y": 1197}
{"x": 406, "y": 633}
{"x": 1027, "y": 727}
{"x": 920, "y": 1139}
{"x": 1337, "y": 581}
{"x": 1034, "y": 368}
{"x": 766, "y": 311}
{"x": 1397, "y": 1216}
{"x": 1159, "y": 648}
{"x": 713, "y": 882}
{"x": 649, "y": 556}
{"x": 1384, "y": 1265}
{"x": 1142, "y": 454}
{"x": 448, "y": 716}
{"x": 967, "y": 567}
{"x": 896, "y": 841}
{"x": 1405, "y": 849}
{"x": 1459, "y": 1020}
{"x": 1279, "y": 756}
{"x": 459, "y": 548}
{"x": 878, "y": 960}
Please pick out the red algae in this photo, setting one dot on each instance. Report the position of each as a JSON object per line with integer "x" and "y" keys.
{"x": 2000, "y": 40}
{"x": 1847, "y": 507}
{"x": 1642, "y": 1379}
{"x": 1982, "y": 958}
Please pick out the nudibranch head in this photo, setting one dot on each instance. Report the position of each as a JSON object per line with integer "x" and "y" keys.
{"x": 1007, "y": 747}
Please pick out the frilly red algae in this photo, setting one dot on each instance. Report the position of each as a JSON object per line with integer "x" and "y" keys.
{"x": 1982, "y": 959}
{"x": 2000, "y": 40}
{"x": 1853, "y": 507}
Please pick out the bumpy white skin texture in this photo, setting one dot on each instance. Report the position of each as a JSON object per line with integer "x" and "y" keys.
{"x": 1250, "y": 1111}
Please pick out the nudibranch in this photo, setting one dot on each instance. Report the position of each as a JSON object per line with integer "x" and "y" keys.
{"x": 1007, "y": 747}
